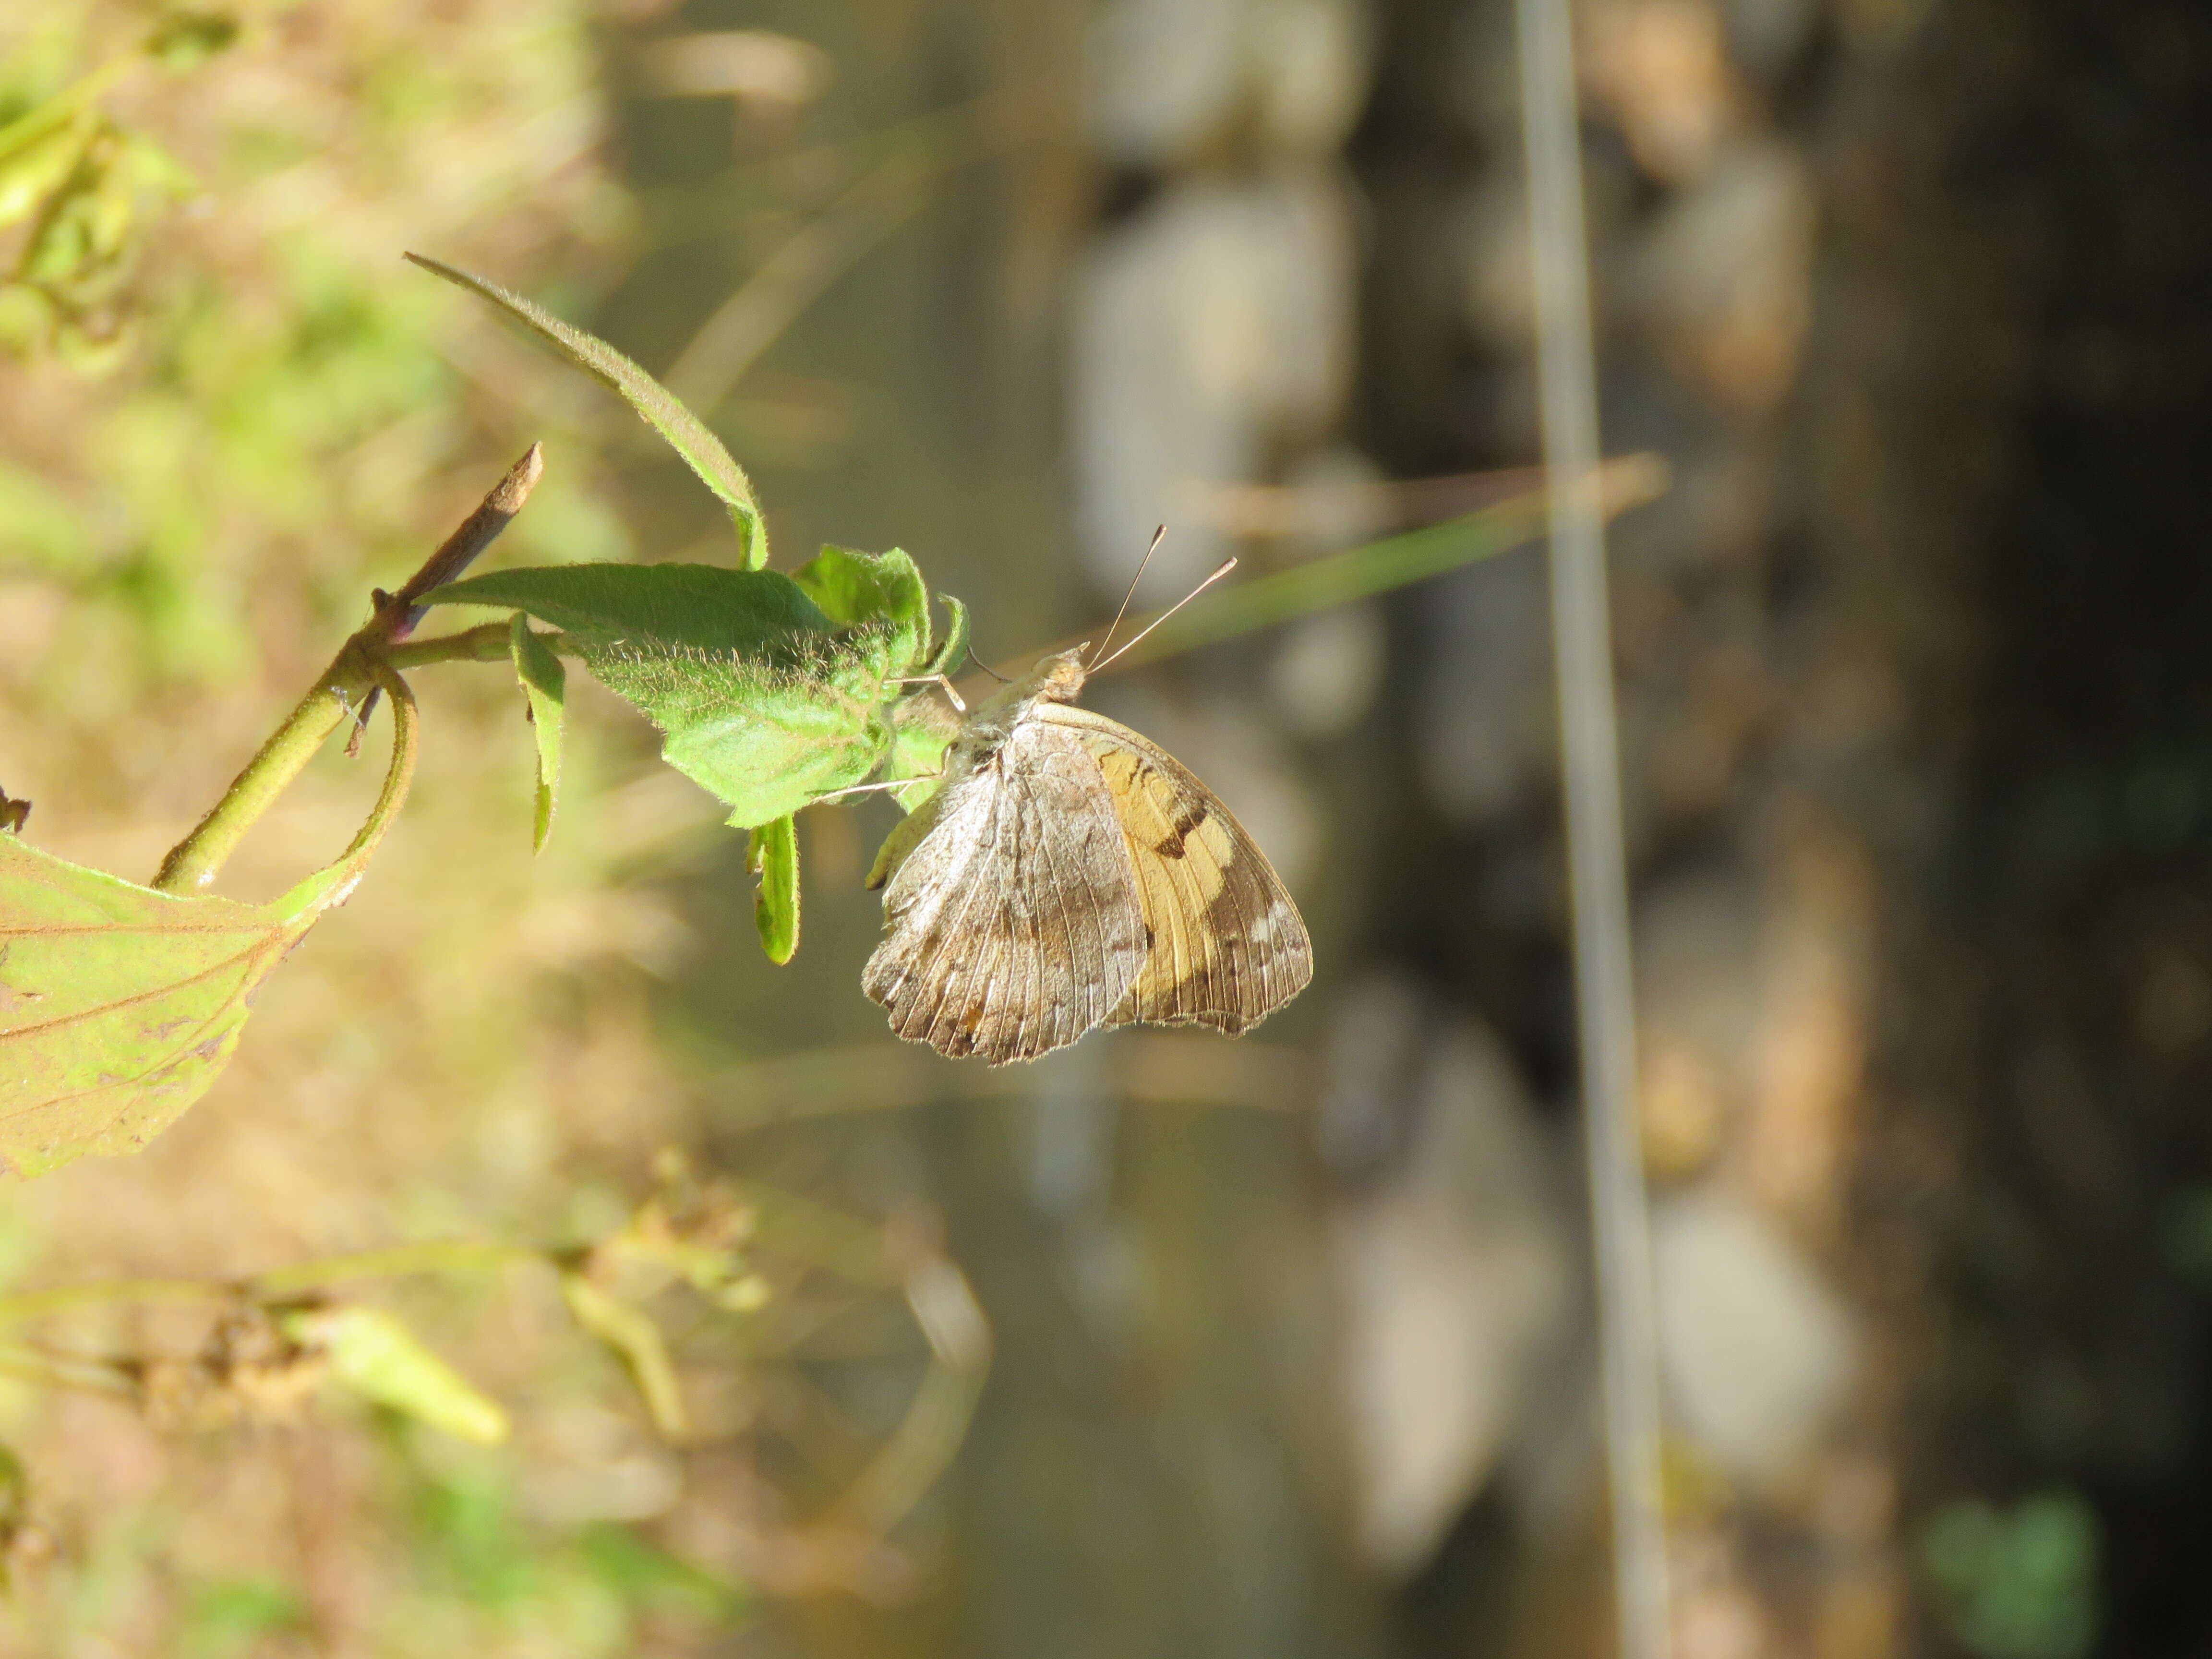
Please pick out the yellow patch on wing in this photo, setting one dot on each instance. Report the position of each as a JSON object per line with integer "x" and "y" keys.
{"x": 1226, "y": 944}
{"x": 1180, "y": 855}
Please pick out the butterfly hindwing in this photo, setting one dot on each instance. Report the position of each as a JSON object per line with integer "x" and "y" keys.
{"x": 1014, "y": 922}
{"x": 1227, "y": 947}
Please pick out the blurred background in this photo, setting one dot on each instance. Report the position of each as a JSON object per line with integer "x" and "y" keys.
{"x": 1290, "y": 1337}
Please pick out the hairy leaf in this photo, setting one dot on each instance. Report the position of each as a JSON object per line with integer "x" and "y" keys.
{"x": 763, "y": 738}
{"x": 773, "y": 856}
{"x": 853, "y": 589}
{"x": 544, "y": 687}
{"x": 752, "y": 613}
{"x": 655, "y": 404}
{"x": 947, "y": 660}
{"x": 922, "y": 726}
{"x": 379, "y": 1358}
{"x": 762, "y": 698}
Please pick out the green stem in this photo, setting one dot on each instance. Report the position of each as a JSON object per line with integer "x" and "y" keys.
{"x": 449, "y": 1255}
{"x": 37, "y": 1304}
{"x": 53, "y": 1371}
{"x": 194, "y": 862}
{"x": 489, "y": 643}
{"x": 344, "y": 687}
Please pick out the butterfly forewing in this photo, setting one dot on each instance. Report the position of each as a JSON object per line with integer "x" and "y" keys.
{"x": 1014, "y": 923}
{"x": 1228, "y": 947}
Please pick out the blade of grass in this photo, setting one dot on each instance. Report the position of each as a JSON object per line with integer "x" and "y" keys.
{"x": 1359, "y": 572}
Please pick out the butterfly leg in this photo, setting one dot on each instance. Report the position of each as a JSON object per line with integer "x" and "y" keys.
{"x": 884, "y": 783}
{"x": 939, "y": 680}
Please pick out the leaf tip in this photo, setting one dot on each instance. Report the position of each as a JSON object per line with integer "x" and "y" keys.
{"x": 772, "y": 855}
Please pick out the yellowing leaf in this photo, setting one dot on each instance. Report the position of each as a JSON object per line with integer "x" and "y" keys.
{"x": 120, "y": 1006}
{"x": 379, "y": 1358}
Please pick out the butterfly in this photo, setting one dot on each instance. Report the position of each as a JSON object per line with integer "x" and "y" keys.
{"x": 1071, "y": 873}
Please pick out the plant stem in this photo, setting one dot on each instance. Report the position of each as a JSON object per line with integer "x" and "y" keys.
{"x": 489, "y": 643}
{"x": 345, "y": 688}
{"x": 37, "y": 1304}
{"x": 444, "y": 1256}
{"x": 447, "y": 1256}
{"x": 193, "y": 862}
{"x": 55, "y": 1371}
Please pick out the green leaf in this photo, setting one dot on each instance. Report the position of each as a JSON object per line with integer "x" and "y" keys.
{"x": 761, "y": 698}
{"x": 922, "y": 726}
{"x": 764, "y": 740}
{"x": 853, "y": 589}
{"x": 748, "y": 613}
{"x": 379, "y": 1358}
{"x": 544, "y": 687}
{"x": 637, "y": 1342}
{"x": 772, "y": 855}
{"x": 655, "y": 404}
{"x": 947, "y": 660}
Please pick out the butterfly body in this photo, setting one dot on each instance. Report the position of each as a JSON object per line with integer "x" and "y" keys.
{"x": 1069, "y": 874}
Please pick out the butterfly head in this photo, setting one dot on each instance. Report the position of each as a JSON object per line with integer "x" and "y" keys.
{"x": 1059, "y": 678}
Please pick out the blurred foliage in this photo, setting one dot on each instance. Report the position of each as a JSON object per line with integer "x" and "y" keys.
{"x": 281, "y": 415}
{"x": 2019, "y": 1583}
{"x": 83, "y": 186}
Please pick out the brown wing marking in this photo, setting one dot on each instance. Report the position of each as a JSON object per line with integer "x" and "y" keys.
{"x": 1229, "y": 947}
{"x": 1014, "y": 925}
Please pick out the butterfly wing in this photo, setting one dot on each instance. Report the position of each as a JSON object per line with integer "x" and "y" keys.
{"x": 1228, "y": 947}
{"x": 1013, "y": 926}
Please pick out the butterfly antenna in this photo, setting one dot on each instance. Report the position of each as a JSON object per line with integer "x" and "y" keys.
{"x": 1227, "y": 565}
{"x": 987, "y": 667}
{"x": 1159, "y": 535}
